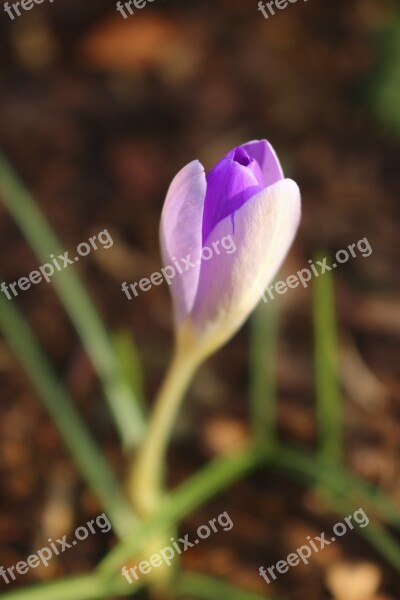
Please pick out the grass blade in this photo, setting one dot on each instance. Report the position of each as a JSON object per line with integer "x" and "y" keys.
{"x": 123, "y": 406}
{"x": 328, "y": 394}
{"x": 384, "y": 543}
{"x": 340, "y": 486}
{"x": 263, "y": 350}
{"x": 58, "y": 403}
{"x": 215, "y": 477}
{"x": 205, "y": 587}
{"x": 83, "y": 587}
{"x": 338, "y": 481}
{"x": 129, "y": 360}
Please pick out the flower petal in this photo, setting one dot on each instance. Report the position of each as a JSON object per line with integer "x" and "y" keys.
{"x": 230, "y": 285}
{"x": 180, "y": 232}
{"x": 265, "y": 155}
{"x": 232, "y": 181}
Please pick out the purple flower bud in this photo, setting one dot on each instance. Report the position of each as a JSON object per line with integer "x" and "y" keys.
{"x": 245, "y": 199}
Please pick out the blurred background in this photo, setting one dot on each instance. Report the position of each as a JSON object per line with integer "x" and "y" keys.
{"x": 97, "y": 114}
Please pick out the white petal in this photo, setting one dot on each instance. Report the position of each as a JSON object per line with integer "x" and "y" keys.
{"x": 231, "y": 285}
{"x": 181, "y": 232}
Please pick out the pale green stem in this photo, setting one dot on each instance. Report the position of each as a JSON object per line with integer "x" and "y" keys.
{"x": 146, "y": 474}
{"x": 193, "y": 493}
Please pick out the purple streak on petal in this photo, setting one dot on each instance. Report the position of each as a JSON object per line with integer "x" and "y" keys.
{"x": 180, "y": 233}
{"x": 265, "y": 155}
{"x": 234, "y": 180}
{"x": 233, "y": 223}
{"x": 230, "y": 285}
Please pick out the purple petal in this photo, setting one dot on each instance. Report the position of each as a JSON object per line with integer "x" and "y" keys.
{"x": 234, "y": 180}
{"x": 180, "y": 232}
{"x": 265, "y": 155}
{"x": 231, "y": 284}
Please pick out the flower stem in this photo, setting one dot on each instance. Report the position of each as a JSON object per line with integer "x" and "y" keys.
{"x": 218, "y": 475}
{"x": 146, "y": 473}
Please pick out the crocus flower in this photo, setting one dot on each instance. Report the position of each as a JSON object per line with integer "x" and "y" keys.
{"x": 245, "y": 196}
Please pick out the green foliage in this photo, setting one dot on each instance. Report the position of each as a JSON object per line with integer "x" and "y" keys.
{"x": 60, "y": 406}
{"x": 383, "y": 88}
{"x": 123, "y": 406}
{"x": 263, "y": 352}
{"x": 326, "y": 363}
{"x": 118, "y": 367}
